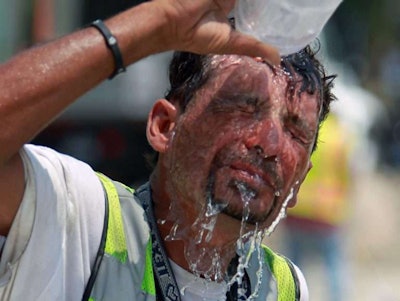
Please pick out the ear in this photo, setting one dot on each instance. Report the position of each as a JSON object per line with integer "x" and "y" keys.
{"x": 160, "y": 124}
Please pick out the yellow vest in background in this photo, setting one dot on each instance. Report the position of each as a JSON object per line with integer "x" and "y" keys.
{"x": 323, "y": 196}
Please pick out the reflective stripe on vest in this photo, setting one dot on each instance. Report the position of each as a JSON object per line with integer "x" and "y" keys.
{"x": 120, "y": 271}
{"x": 127, "y": 258}
{"x": 286, "y": 277}
{"x": 115, "y": 239}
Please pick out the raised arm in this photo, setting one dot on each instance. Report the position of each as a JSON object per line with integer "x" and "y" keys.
{"x": 39, "y": 83}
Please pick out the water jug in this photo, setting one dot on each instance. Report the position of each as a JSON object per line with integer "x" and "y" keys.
{"x": 289, "y": 25}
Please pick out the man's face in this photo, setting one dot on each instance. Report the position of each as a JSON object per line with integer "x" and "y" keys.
{"x": 242, "y": 143}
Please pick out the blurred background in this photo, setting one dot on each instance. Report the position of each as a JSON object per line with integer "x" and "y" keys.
{"x": 344, "y": 233}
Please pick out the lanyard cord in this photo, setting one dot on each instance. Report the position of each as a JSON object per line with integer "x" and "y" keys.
{"x": 244, "y": 286}
{"x": 165, "y": 279}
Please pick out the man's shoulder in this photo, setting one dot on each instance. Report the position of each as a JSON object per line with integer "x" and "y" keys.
{"x": 45, "y": 154}
{"x": 61, "y": 170}
{"x": 65, "y": 186}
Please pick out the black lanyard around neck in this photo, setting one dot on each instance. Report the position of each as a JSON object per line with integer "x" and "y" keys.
{"x": 165, "y": 279}
{"x": 232, "y": 293}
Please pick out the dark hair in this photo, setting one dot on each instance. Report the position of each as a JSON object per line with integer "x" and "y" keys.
{"x": 189, "y": 72}
{"x": 313, "y": 77}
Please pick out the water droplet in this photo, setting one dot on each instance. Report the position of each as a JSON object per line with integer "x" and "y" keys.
{"x": 182, "y": 290}
{"x": 281, "y": 215}
{"x": 172, "y": 234}
{"x": 161, "y": 221}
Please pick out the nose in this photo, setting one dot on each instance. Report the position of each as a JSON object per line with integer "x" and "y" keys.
{"x": 265, "y": 139}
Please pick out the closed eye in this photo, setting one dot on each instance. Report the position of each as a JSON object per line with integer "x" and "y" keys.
{"x": 236, "y": 103}
{"x": 299, "y": 131}
{"x": 248, "y": 105}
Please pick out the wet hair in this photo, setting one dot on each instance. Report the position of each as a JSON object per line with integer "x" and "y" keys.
{"x": 313, "y": 77}
{"x": 189, "y": 72}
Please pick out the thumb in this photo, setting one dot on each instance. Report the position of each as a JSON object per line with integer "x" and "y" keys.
{"x": 244, "y": 44}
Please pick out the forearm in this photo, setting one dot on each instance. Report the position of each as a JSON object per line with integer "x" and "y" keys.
{"x": 38, "y": 84}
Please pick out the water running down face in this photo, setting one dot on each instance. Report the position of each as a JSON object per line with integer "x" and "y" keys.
{"x": 242, "y": 130}
{"x": 235, "y": 154}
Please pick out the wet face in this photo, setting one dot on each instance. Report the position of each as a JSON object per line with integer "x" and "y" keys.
{"x": 242, "y": 144}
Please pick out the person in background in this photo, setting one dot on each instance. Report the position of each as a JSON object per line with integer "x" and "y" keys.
{"x": 314, "y": 228}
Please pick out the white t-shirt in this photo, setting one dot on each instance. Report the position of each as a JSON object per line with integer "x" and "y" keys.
{"x": 193, "y": 288}
{"x": 55, "y": 236}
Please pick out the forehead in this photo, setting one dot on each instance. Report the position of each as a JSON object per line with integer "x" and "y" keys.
{"x": 234, "y": 76}
{"x": 239, "y": 73}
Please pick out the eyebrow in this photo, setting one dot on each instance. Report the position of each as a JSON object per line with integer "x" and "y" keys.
{"x": 234, "y": 101}
{"x": 228, "y": 95}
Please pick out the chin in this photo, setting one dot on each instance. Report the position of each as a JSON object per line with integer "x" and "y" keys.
{"x": 251, "y": 218}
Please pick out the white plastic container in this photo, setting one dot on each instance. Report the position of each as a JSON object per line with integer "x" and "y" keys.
{"x": 289, "y": 25}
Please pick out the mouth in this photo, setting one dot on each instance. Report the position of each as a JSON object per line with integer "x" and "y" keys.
{"x": 253, "y": 207}
{"x": 254, "y": 176}
{"x": 246, "y": 193}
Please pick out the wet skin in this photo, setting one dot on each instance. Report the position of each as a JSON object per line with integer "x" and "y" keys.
{"x": 243, "y": 128}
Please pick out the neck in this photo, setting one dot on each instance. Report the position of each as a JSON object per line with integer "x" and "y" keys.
{"x": 182, "y": 248}
{"x": 197, "y": 258}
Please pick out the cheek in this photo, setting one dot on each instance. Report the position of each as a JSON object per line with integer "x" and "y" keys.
{"x": 190, "y": 155}
{"x": 294, "y": 163}
{"x": 196, "y": 143}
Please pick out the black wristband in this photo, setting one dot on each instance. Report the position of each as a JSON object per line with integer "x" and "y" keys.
{"x": 112, "y": 44}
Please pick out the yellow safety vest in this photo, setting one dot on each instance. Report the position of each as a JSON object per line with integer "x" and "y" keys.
{"x": 123, "y": 268}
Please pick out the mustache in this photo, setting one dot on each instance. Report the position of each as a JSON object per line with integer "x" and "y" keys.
{"x": 254, "y": 162}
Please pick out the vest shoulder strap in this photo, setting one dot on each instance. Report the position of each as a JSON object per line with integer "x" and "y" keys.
{"x": 115, "y": 238}
{"x": 113, "y": 241}
{"x": 285, "y": 275}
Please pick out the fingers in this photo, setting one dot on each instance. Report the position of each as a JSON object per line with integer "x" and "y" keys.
{"x": 246, "y": 45}
{"x": 226, "y": 5}
{"x": 202, "y": 27}
{"x": 243, "y": 44}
